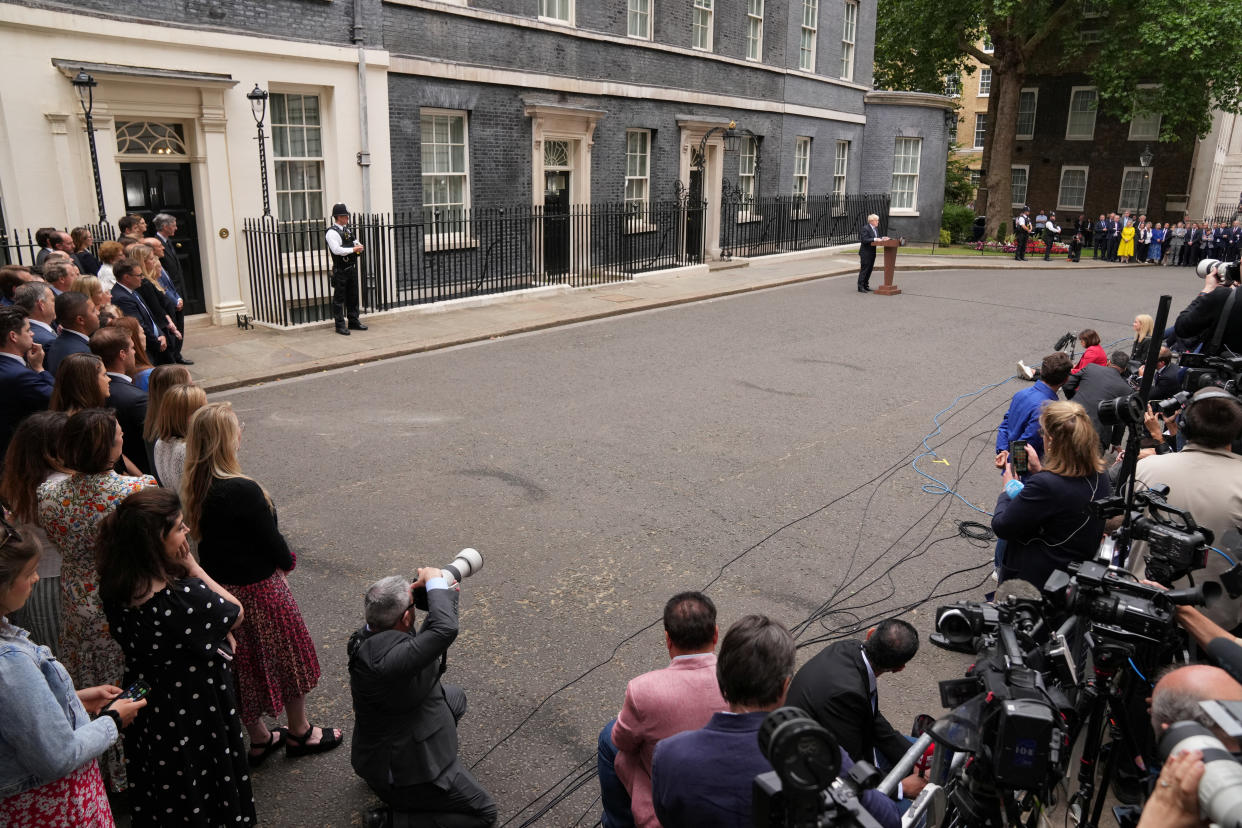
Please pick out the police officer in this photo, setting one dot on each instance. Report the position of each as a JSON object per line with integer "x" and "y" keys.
{"x": 344, "y": 248}
{"x": 1021, "y": 232}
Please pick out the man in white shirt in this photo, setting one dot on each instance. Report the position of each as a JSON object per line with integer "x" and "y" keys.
{"x": 1051, "y": 231}
{"x": 344, "y": 247}
{"x": 1021, "y": 232}
{"x": 37, "y": 299}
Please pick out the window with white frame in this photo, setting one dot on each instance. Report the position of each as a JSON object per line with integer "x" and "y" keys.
{"x": 976, "y": 178}
{"x": 638, "y": 19}
{"x": 637, "y": 169}
{"x": 953, "y": 86}
{"x": 701, "y": 25}
{"x": 849, "y": 31}
{"x": 981, "y": 129}
{"x": 1072, "y": 194}
{"x": 985, "y": 82}
{"x": 802, "y": 169}
{"x": 988, "y": 48}
{"x": 1145, "y": 126}
{"x": 754, "y": 29}
{"x": 561, "y": 11}
{"x": 747, "y": 156}
{"x": 1080, "y": 125}
{"x": 905, "y": 189}
{"x": 297, "y": 144}
{"x": 1135, "y": 187}
{"x": 840, "y": 168}
{"x": 446, "y": 167}
{"x": 1019, "y": 175}
{"x": 810, "y": 34}
{"x": 1028, "y": 101}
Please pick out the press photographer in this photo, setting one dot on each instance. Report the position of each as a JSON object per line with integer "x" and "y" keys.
{"x": 405, "y": 732}
{"x": 1200, "y": 321}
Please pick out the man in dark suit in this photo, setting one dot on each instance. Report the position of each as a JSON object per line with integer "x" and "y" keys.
{"x": 78, "y": 318}
{"x": 1114, "y": 236}
{"x": 405, "y": 731}
{"x": 1089, "y": 388}
{"x": 125, "y": 296}
{"x": 24, "y": 386}
{"x": 867, "y": 237}
{"x": 838, "y": 688}
{"x": 39, "y": 303}
{"x": 116, "y": 349}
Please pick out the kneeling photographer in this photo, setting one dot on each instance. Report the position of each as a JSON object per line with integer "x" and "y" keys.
{"x": 405, "y": 733}
{"x": 1201, "y": 320}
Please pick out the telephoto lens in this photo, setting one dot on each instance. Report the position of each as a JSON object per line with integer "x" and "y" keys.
{"x": 468, "y": 562}
{"x": 1220, "y": 790}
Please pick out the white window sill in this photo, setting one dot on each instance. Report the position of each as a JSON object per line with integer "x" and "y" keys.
{"x": 748, "y": 218}
{"x": 556, "y": 21}
{"x": 448, "y": 241}
{"x": 1080, "y": 138}
{"x": 801, "y": 215}
{"x": 632, "y": 227}
{"x": 900, "y": 212}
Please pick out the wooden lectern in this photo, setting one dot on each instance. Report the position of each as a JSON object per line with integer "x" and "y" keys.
{"x": 890, "y": 261}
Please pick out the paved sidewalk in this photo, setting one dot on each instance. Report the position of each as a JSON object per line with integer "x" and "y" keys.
{"x": 229, "y": 357}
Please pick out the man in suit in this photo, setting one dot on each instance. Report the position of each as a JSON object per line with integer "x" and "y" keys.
{"x": 116, "y": 349}
{"x": 706, "y": 776}
{"x": 125, "y": 296}
{"x": 682, "y": 696}
{"x": 405, "y": 729}
{"x": 13, "y": 277}
{"x": 133, "y": 228}
{"x": 1096, "y": 383}
{"x": 59, "y": 273}
{"x": 1099, "y": 238}
{"x": 78, "y": 318}
{"x": 172, "y": 289}
{"x": 1114, "y": 236}
{"x": 24, "y": 386}
{"x": 39, "y": 303}
{"x": 838, "y": 688}
{"x": 867, "y": 237}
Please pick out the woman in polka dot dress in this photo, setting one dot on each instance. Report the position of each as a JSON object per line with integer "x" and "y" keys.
{"x": 186, "y": 754}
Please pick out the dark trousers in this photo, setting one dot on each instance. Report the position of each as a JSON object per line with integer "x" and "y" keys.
{"x": 1113, "y": 244}
{"x": 866, "y": 261}
{"x": 1075, "y": 250}
{"x": 175, "y": 344}
{"x": 345, "y": 296}
{"x": 1099, "y": 245}
{"x": 1020, "y": 239}
{"x": 614, "y": 798}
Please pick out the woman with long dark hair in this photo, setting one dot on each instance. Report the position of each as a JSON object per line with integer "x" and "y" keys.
{"x": 81, "y": 383}
{"x": 174, "y": 624}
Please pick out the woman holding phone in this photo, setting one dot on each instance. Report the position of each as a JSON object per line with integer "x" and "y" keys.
{"x": 174, "y": 624}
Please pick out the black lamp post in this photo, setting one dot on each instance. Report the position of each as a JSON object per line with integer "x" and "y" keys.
{"x": 85, "y": 85}
{"x": 258, "y": 108}
{"x": 732, "y": 144}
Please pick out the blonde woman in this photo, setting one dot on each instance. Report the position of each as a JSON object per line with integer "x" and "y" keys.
{"x": 173, "y": 421}
{"x": 159, "y": 380}
{"x": 240, "y": 546}
{"x": 1047, "y": 521}
{"x": 92, "y": 287}
{"x": 1143, "y": 325}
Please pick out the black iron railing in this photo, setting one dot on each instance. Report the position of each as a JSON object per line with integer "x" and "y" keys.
{"x": 777, "y": 224}
{"x": 18, "y": 246}
{"x": 432, "y": 256}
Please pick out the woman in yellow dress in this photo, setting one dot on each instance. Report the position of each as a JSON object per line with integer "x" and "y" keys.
{"x": 1125, "y": 249}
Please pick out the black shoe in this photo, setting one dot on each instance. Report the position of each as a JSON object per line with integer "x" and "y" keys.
{"x": 183, "y": 361}
{"x": 342, "y": 330}
{"x": 377, "y": 818}
{"x": 862, "y": 289}
{"x": 355, "y": 325}
{"x": 867, "y": 288}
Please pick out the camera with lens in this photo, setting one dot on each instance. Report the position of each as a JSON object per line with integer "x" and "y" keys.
{"x": 1226, "y": 272}
{"x": 1176, "y": 545}
{"x": 1220, "y": 789}
{"x": 467, "y": 563}
{"x": 1169, "y": 407}
{"x": 1205, "y": 371}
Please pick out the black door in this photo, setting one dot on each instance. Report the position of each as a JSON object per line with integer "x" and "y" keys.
{"x": 556, "y": 222}
{"x": 694, "y": 217}
{"x": 166, "y": 188}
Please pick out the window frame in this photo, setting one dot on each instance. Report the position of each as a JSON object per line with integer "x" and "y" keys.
{"x": 698, "y": 8}
{"x": 981, "y": 130}
{"x": 802, "y": 173}
{"x": 849, "y": 36}
{"x": 746, "y": 178}
{"x": 913, "y": 209}
{"x": 1019, "y": 135}
{"x": 1062, "y": 204}
{"x": 303, "y": 161}
{"x": 953, "y": 86}
{"x": 1140, "y": 208}
{"x": 631, "y": 12}
{"x": 645, "y": 178}
{"x": 985, "y": 89}
{"x": 1069, "y": 117}
{"x": 568, "y": 20}
{"x": 808, "y": 34}
{"x": 754, "y": 23}
{"x": 1133, "y": 119}
{"x": 1026, "y": 184}
{"x": 429, "y": 224}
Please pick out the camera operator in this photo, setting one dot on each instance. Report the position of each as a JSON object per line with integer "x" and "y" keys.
{"x": 405, "y": 733}
{"x": 1199, "y": 319}
{"x": 1204, "y": 478}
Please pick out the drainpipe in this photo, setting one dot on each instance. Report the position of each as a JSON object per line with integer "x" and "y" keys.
{"x": 364, "y": 153}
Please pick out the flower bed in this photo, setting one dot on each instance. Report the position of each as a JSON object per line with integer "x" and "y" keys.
{"x": 1032, "y": 247}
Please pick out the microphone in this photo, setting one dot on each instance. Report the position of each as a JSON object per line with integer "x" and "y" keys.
{"x": 1065, "y": 340}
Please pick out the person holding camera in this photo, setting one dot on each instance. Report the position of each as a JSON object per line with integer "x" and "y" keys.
{"x": 1201, "y": 319}
{"x": 405, "y": 728}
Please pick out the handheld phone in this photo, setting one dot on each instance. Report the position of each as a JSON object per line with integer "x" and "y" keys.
{"x": 1017, "y": 456}
{"x": 137, "y": 691}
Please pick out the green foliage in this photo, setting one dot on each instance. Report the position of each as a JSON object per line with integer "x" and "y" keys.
{"x": 957, "y": 186}
{"x": 945, "y": 238}
{"x": 956, "y": 220}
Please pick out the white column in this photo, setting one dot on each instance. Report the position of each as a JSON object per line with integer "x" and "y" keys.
{"x": 218, "y": 252}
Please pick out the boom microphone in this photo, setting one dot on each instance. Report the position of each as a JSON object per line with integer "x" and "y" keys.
{"x": 1067, "y": 339}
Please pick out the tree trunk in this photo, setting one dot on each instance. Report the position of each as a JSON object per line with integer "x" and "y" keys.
{"x": 1008, "y": 75}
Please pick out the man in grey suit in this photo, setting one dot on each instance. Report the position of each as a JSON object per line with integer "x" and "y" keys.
{"x": 1089, "y": 388}
{"x": 39, "y": 303}
{"x": 405, "y": 730}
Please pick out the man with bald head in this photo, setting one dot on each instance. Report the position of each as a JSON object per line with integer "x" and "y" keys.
{"x": 1177, "y": 695}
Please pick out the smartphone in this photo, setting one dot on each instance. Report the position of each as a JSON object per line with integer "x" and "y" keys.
{"x": 137, "y": 691}
{"x": 1017, "y": 456}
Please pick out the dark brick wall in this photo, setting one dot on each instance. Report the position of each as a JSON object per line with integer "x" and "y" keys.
{"x": 885, "y": 123}
{"x": 1107, "y": 155}
{"x": 315, "y": 20}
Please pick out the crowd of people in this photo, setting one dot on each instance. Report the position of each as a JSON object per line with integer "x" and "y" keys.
{"x": 113, "y": 459}
{"x": 1124, "y": 238}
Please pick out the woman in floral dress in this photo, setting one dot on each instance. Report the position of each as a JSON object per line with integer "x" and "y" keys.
{"x": 70, "y": 511}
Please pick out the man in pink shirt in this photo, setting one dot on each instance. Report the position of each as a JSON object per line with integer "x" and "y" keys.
{"x": 681, "y": 696}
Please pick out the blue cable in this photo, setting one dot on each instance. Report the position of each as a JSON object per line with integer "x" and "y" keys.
{"x": 1232, "y": 562}
{"x": 1137, "y": 671}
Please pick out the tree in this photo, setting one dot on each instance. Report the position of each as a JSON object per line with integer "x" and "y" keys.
{"x": 1183, "y": 47}
{"x": 957, "y": 186}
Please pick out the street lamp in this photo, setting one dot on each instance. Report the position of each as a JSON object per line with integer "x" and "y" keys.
{"x": 1145, "y": 157}
{"x": 258, "y": 108}
{"x": 85, "y": 85}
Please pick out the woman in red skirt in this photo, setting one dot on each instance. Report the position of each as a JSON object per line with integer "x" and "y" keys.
{"x": 240, "y": 546}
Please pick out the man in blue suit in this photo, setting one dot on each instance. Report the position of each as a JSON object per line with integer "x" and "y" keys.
{"x": 39, "y": 303}
{"x": 866, "y": 251}
{"x": 78, "y": 318}
{"x": 125, "y": 296}
{"x": 24, "y": 386}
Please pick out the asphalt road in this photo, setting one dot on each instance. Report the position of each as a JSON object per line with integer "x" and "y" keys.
{"x": 759, "y": 446}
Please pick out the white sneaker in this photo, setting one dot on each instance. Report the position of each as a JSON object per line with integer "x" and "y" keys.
{"x": 1025, "y": 371}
